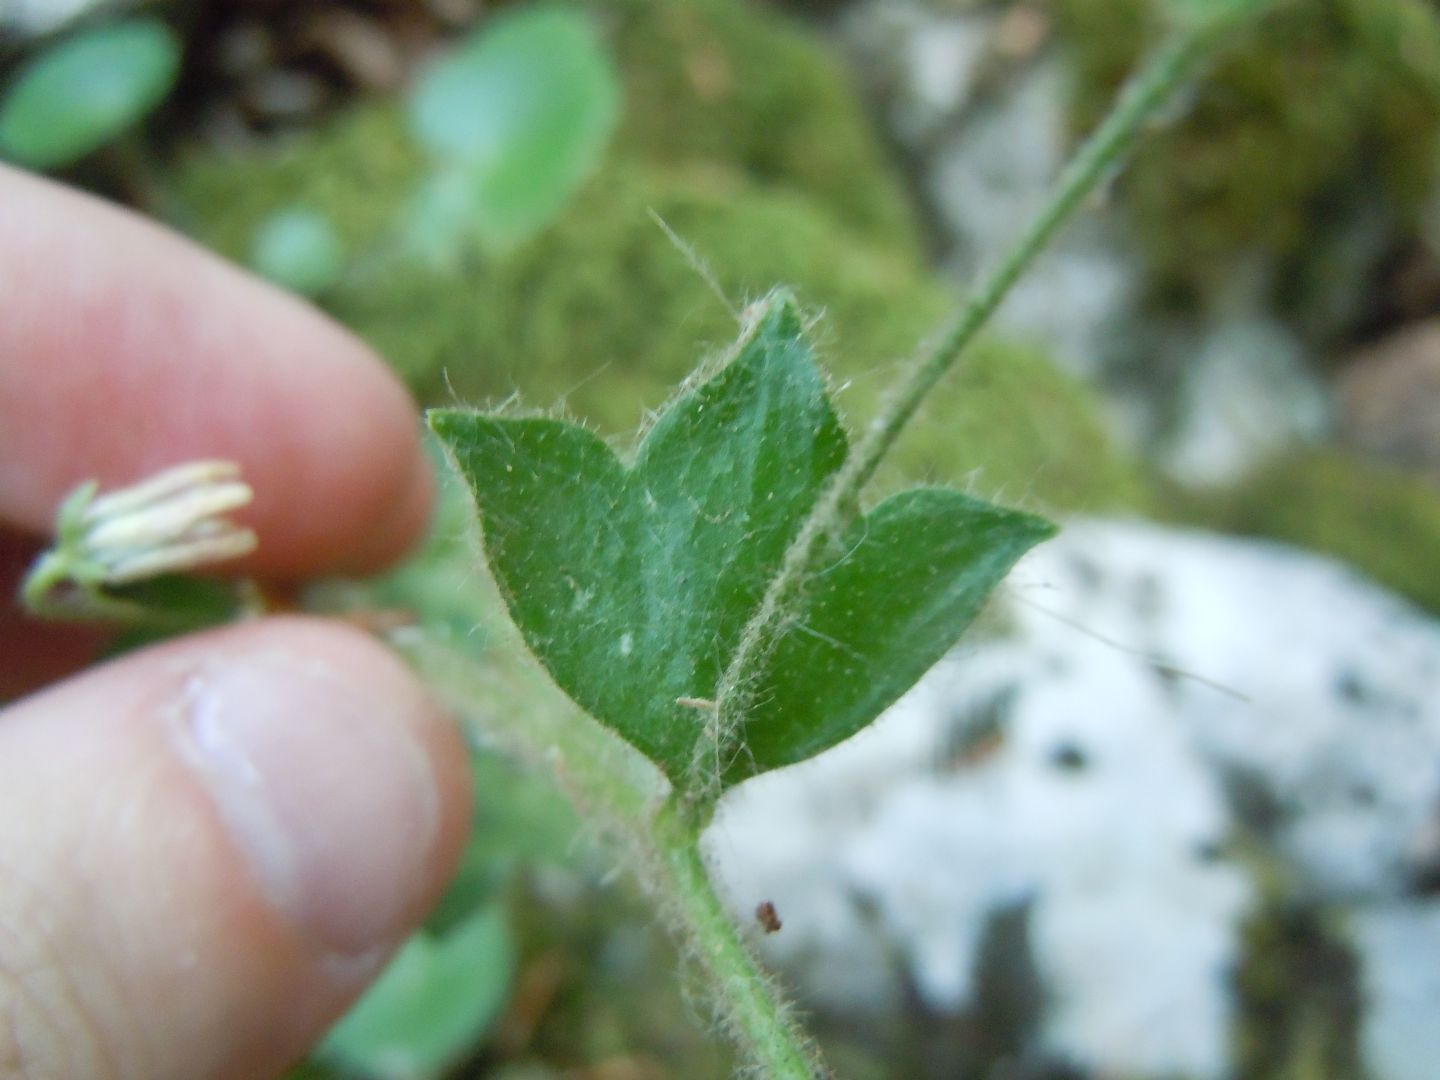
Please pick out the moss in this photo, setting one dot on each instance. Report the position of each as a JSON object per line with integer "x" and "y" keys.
{"x": 357, "y": 171}
{"x": 604, "y": 316}
{"x": 1321, "y": 100}
{"x": 1385, "y": 523}
{"x": 721, "y": 80}
{"x": 1105, "y": 39}
{"x": 604, "y": 300}
{"x": 1299, "y": 1001}
{"x": 601, "y": 313}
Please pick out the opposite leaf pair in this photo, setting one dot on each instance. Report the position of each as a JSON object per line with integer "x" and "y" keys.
{"x": 634, "y": 583}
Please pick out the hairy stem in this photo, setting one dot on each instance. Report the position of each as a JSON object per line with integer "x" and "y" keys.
{"x": 747, "y": 1006}
{"x": 623, "y": 794}
{"x": 785, "y": 599}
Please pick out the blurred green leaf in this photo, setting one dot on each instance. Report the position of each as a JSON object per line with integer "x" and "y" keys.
{"x": 86, "y": 90}
{"x": 439, "y": 217}
{"x": 438, "y": 585}
{"x": 433, "y": 1004}
{"x": 522, "y": 819}
{"x": 523, "y": 111}
{"x": 298, "y": 249}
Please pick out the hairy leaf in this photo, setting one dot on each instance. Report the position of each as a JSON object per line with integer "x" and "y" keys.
{"x": 633, "y": 583}
{"x": 910, "y": 577}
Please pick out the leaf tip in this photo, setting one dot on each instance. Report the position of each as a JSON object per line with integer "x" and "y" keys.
{"x": 444, "y": 423}
{"x": 1038, "y": 528}
{"x": 778, "y": 311}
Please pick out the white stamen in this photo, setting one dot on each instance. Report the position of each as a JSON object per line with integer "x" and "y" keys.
{"x": 169, "y": 520}
{"x": 169, "y": 560}
{"x": 162, "y": 485}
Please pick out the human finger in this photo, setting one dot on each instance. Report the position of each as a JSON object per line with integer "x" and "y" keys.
{"x": 208, "y": 848}
{"x": 127, "y": 349}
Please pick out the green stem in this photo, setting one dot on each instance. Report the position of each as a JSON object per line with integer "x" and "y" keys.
{"x": 747, "y": 1005}
{"x": 622, "y": 792}
{"x": 1096, "y": 160}
{"x": 785, "y": 599}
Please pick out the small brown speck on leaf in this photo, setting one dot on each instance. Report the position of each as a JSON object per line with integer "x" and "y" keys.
{"x": 767, "y": 916}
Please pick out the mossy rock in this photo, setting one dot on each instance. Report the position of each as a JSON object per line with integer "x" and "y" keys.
{"x": 728, "y": 81}
{"x": 1385, "y": 523}
{"x": 604, "y": 299}
{"x": 603, "y": 316}
{"x": 1299, "y": 999}
{"x": 1317, "y": 102}
{"x": 704, "y": 81}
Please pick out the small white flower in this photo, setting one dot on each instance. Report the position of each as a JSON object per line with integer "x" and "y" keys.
{"x": 172, "y": 522}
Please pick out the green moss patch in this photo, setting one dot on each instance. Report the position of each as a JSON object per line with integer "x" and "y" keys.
{"x": 1385, "y": 523}
{"x": 1320, "y": 99}
{"x": 602, "y": 315}
{"x": 741, "y": 134}
{"x": 1299, "y": 1000}
{"x": 723, "y": 80}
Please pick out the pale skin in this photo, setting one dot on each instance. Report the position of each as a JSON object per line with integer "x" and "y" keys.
{"x": 206, "y": 849}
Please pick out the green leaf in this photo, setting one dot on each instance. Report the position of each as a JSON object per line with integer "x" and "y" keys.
{"x": 432, "y": 1005}
{"x": 911, "y": 576}
{"x": 523, "y": 112}
{"x": 439, "y": 217}
{"x": 633, "y": 584}
{"x": 85, "y": 91}
{"x": 299, "y": 250}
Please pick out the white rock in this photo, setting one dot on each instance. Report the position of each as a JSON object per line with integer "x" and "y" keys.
{"x": 987, "y": 151}
{"x": 992, "y": 174}
{"x": 1401, "y": 1029}
{"x": 928, "y": 66}
{"x": 1158, "y": 688}
{"x": 1248, "y": 392}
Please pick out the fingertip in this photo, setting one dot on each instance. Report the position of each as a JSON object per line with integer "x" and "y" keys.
{"x": 362, "y": 804}
{"x": 388, "y": 512}
{"x": 130, "y": 349}
{"x": 221, "y": 840}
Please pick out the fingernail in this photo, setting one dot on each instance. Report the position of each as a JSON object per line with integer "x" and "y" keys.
{"x": 324, "y": 789}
